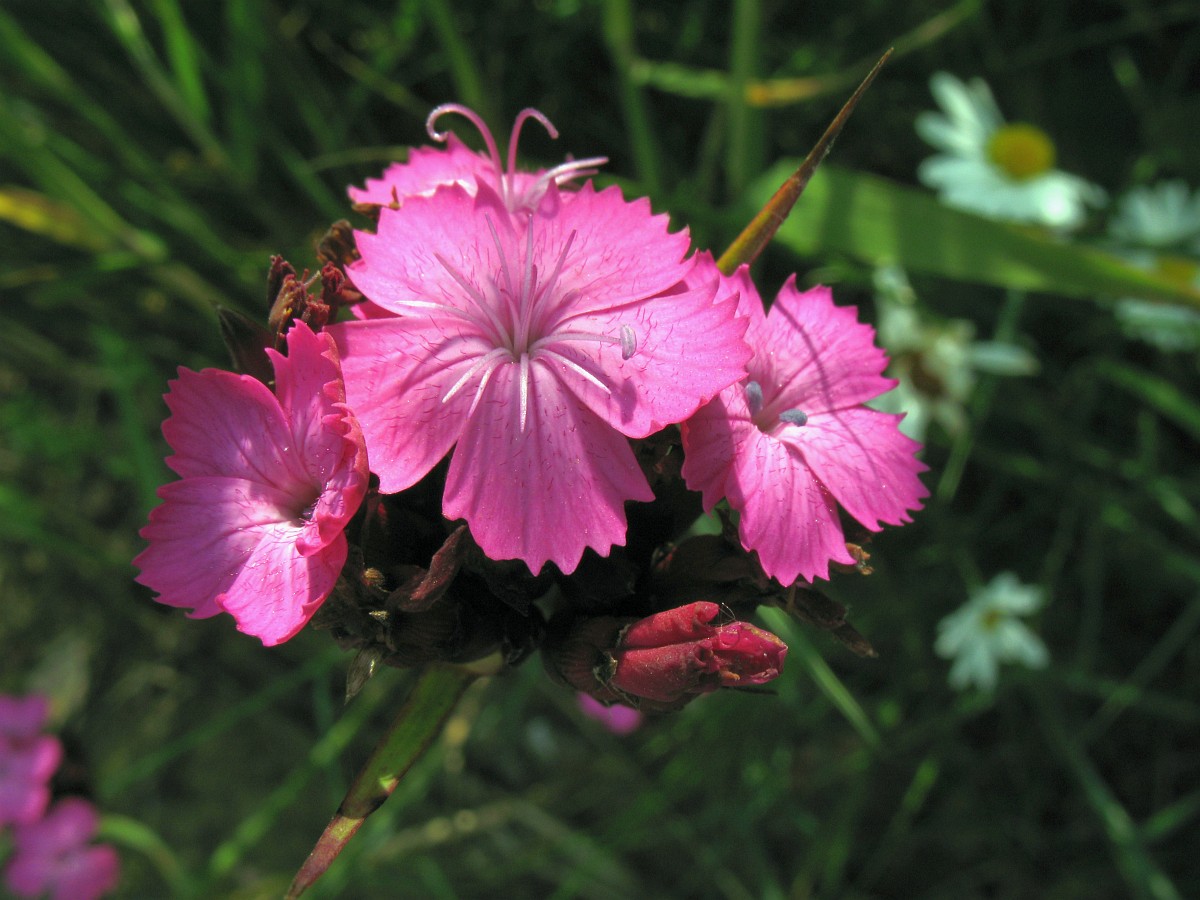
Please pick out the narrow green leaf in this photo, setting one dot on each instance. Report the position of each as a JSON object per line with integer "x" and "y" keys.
{"x": 879, "y": 222}
{"x": 1144, "y": 878}
{"x": 184, "y": 55}
{"x": 619, "y": 36}
{"x": 1163, "y": 396}
{"x": 467, "y": 78}
{"x": 824, "y": 677}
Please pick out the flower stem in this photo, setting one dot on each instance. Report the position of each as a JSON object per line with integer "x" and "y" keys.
{"x": 419, "y": 722}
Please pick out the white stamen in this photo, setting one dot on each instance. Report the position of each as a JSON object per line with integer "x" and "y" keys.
{"x": 567, "y": 171}
{"x": 508, "y": 283}
{"x": 576, "y": 368}
{"x": 628, "y": 342}
{"x": 487, "y": 376}
{"x": 473, "y": 117}
{"x": 527, "y": 113}
{"x": 480, "y": 301}
{"x": 487, "y": 359}
{"x": 524, "y": 389}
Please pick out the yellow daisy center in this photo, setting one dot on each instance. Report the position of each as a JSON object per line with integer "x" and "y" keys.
{"x": 1021, "y": 151}
{"x": 991, "y": 619}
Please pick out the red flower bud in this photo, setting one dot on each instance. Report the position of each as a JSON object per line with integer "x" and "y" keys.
{"x": 672, "y": 654}
{"x": 663, "y": 661}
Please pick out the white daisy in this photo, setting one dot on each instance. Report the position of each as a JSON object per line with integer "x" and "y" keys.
{"x": 1163, "y": 216}
{"x": 935, "y": 362}
{"x": 1002, "y": 171}
{"x": 1154, "y": 228}
{"x": 986, "y": 631}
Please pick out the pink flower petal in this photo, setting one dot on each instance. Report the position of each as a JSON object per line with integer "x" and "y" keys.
{"x": 711, "y": 440}
{"x": 87, "y": 874}
{"x": 683, "y": 340}
{"x": 787, "y": 516}
{"x": 397, "y": 372}
{"x": 229, "y": 425}
{"x": 204, "y": 532}
{"x": 426, "y": 169}
{"x": 52, "y": 856}
{"x": 620, "y": 251}
{"x": 327, "y": 438}
{"x": 866, "y": 463}
{"x": 400, "y": 260}
{"x": 814, "y": 356}
{"x": 548, "y": 491}
{"x": 26, "y": 766}
{"x": 617, "y": 718}
{"x": 255, "y": 526}
{"x": 277, "y": 591}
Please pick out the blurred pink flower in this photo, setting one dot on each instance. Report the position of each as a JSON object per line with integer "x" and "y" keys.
{"x": 54, "y": 856}
{"x": 617, "y": 718}
{"x": 537, "y": 344}
{"x": 28, "y": 758}
{"x": 793, "y": 440}
{"x": 428, "y": 168}
{"x": 22, "y": 718}
{"x": 255, "y": 525}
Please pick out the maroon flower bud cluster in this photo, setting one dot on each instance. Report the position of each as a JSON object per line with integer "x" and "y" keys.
{"x": 665, "y": 660}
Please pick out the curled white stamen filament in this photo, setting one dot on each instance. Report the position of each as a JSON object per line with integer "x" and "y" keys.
{"x": 528, "y": 113}
{"x": 474, "y": 118}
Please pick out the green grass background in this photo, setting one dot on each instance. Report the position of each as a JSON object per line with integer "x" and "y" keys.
{"x": 154, "y": 153}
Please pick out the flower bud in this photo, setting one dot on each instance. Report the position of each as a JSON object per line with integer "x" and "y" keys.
{"x": 663, "y": 661}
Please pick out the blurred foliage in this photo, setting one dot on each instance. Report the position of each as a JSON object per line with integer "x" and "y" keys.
{"x": 154, "y": 153}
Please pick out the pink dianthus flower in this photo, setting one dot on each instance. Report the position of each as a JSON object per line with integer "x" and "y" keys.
{"x": 53, "y": 856}
{"x": 255, "y": 526}
{"x": 794, "y": 440}
{"x": 534, "y": 344}
{"x": 28, "y": 759}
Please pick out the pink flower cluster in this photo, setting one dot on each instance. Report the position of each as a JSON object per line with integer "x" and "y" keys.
{"x": 52, "y": 850}
{"x": 526, "y": 330}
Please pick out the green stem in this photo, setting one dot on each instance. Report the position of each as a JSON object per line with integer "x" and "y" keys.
{"x": 466, "y": 75}
{"x": 419, "y": 722}
{"x": 619, "y": 34}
